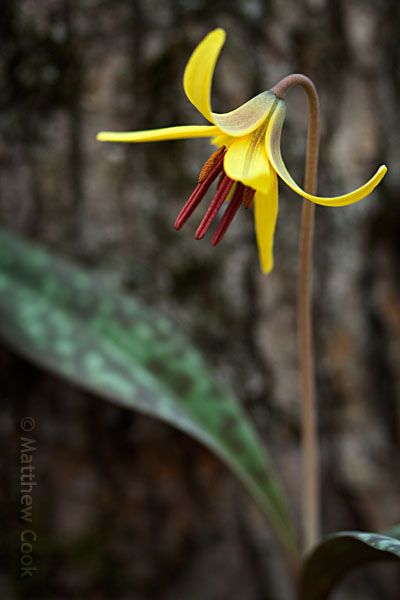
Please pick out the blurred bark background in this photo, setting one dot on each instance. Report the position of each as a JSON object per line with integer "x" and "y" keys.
{"x": 126, "y": 507}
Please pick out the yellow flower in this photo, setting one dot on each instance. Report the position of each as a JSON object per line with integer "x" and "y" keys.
{"x": 248, "y": 158}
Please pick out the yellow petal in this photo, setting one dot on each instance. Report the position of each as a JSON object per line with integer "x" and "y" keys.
{"x": 199, "y": 71}
{"x": 273, "y": 142}
{"x": 221, "y": 140}
{"x": 157, "y": 135}
{"x": 248, "y": 117}
{"x": 265, "y": 215}
{"x": 246, "y": 161}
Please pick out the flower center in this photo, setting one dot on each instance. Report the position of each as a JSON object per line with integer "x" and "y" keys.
{"x": 227, "y": 189}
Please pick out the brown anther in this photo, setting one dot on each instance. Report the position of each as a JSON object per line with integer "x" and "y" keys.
{"x": 248, "y": 196}
{"x": 210, "y": 163}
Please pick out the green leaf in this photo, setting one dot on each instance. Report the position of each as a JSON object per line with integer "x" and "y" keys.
{"x": 73, "y": 324}
{"x": 342, "y": 552}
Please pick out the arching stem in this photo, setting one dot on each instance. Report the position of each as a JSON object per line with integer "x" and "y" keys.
{"x": 311, "y": 487}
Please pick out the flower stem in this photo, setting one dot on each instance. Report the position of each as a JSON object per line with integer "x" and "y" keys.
{"x": 311, "y": 488}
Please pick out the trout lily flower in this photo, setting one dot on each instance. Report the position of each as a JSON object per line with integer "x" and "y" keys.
{"x": 248, "y": 158}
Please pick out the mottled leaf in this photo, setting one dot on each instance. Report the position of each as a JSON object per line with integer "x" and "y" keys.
{"x": 73, "y": 324}
{"x": 341, "y": 553}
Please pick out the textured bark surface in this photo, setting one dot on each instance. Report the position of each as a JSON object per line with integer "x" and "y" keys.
{"x": 126, "y": 507}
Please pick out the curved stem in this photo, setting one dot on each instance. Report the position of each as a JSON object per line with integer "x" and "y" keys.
{"x": 311, "y": 488}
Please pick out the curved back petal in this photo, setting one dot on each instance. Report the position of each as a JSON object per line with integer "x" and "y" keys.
{"x": 179, "y": 132}
{"x": 273, "y": 148}
{"x": 199, "y": 71}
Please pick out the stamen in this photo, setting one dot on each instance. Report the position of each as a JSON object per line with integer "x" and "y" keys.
{"x": 210, "y": 164}
{"x": 189, "y": 206}
{"x": 214, "y": 207}
{"x": 230, "y": 212}
{"x": 248, "y": 196}
{"x": 220, "y": 179}
{"x": 201, "y": 189}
